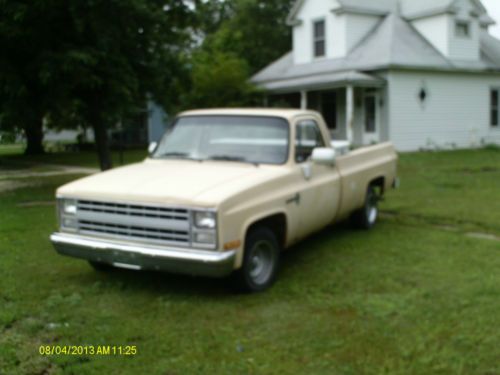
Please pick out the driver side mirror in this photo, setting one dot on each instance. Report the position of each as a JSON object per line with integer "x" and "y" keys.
{"x": 152, "y": 147}
{"x": 324, "y": 156}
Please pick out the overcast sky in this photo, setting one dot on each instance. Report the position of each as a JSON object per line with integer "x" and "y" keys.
{"x": 493, "y": 7}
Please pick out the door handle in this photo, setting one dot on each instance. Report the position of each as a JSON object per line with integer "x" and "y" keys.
{"x": 295, "y": 199}
{"x": 307, "y": 171}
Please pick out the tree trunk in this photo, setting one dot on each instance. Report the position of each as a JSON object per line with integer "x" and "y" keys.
{"x": 102, "y": 144}
{"x": 34, "y": 137}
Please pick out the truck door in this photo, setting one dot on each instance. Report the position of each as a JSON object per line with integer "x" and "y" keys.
{"x": 318, "y": 186}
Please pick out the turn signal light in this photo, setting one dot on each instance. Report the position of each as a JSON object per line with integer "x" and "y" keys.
{"x": 232, "y": 245}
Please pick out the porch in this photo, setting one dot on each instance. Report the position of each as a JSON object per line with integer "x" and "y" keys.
{"x": 354, "y": 107}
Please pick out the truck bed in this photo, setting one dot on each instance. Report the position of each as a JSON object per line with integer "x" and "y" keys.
{"x": 361, "y": 167}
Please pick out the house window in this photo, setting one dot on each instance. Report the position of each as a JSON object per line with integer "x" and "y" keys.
{"x": 319, "y": 38}
{"x": 494, "y": 108}
{"x": 462, "y": 29}
{"x": 370, "y": 114}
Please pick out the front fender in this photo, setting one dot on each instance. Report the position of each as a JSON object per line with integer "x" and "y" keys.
{"x": 240, "y": 223}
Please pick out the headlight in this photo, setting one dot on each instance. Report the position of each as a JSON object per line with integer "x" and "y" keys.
{"x": 205, "y": 220}
{"x": 67, "y": 212}
{"x": 204, "y": 230}
{"x": 69, "y": 207}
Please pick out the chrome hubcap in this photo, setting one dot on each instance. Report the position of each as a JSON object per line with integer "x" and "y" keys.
{"x": 261, "y": 262}
{"x": 372, "y": 215}
{"x": 372, "y": 208}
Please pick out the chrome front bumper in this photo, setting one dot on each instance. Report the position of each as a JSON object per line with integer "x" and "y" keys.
{"x": 143, "y": 257}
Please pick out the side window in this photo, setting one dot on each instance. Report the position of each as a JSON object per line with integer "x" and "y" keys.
{"x": 462, "y": 29}
{"x": 319, "y": 38}
{"x": 308, "y": 138}
{"x": 494, "y": 107}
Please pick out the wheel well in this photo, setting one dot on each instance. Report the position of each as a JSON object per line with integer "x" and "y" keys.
{"x": 379, "y": 183}
{"x": 276, "y": 223}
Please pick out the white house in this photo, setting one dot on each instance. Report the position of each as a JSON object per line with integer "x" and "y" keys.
{"x": 422, "y": 74}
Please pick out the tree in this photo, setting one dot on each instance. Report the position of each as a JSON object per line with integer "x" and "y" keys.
{"x": 255, "y": 30}
{"x": 238, "y": 39}
{"x": 26, "y": 91}
{"x": 113, "y": 66}
{"x": 100, "y": 59}
{"x": 219, "y": 80}
{"x": 210, "y": 14}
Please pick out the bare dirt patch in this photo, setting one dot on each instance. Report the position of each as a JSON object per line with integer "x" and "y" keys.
{"x": 47, "y": 173}
{"x": 21, "y": 178}
{"x": 7, "y": 185}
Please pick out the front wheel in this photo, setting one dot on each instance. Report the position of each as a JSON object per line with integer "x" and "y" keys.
{"x": 260, "y": 262}
{"x": 367, "y": 216}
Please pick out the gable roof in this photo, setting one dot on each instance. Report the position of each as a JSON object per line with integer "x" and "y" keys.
{"x": 409, "y": 9}
{"x": 378, "y": 7}
{"x": 292, "y": 16}
{"x": 423, "y": 8}
{"x": 393, "y": 43}
{"x": 294, "y": 12}
{"x": 412, "y": 9}
{"x": 490, "y": 48}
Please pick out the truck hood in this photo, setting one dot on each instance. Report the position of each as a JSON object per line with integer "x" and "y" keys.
{"x": 171, "y": 182}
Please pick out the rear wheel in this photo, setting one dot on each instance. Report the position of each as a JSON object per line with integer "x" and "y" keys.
{"x": 260, "y": 262}
{"x": 367, "y": 216}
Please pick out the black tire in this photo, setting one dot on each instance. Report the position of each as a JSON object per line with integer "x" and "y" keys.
{"x": 366, "y": 217}
{"x": 101, "y": 267}
{"x": 260, "y": 261}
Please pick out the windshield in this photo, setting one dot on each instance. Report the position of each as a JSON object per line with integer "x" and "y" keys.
{"x": 247, "y": 139}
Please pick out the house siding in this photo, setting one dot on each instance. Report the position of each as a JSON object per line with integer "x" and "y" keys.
{"x": 343, "y": 31}
{"x": 455, "y": 113}
{"x": 435, "y": 29}
{"x": 385, "y": 110}
{"x": 311, "y": 11}
{"x": 337, "y": 44}
{"x": 464, "y": 48}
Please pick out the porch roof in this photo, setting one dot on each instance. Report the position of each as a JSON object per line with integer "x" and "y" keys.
{"x": 323, "y": 81}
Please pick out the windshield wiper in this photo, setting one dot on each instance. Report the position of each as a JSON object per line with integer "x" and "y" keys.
{"x": 177, "y": 155}
{"x": 231, "y": 158}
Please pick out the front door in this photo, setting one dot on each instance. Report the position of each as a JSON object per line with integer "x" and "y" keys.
{"x": 371, "y": 117}
{"x": 318, "y": 186}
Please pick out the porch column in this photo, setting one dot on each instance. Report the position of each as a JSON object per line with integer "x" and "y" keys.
{"x": 303, "y": 99}
{"x": 349, "y": 112}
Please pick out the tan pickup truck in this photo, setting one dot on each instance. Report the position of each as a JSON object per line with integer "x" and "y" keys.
{"x": 224, "y": 192}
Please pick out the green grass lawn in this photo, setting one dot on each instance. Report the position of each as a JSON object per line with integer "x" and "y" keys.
{"x": 456, "y": 187}
{"x": 409, "y": 297}
{"x": 7, "y": 150}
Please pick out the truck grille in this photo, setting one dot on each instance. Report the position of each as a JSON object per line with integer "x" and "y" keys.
{"x": 159, "y": 225}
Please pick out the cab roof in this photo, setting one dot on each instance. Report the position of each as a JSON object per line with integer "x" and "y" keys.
{"x": 288, "y": 114}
